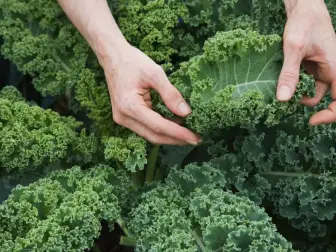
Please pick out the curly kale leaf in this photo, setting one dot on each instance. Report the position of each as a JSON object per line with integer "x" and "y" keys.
{"x": 308, "y": 201}
{"x": 232, "y": 223}
{"x": 192, "y": 212}
{"x": 232, "y": 82}
{"x": 222, "y": 15}
{"x": 194, "y": 176}
{"x": 150, "y": 25}
{"x": 42, "y": 42}
{"x": 289, "y": 166}
{"x": 11, "y": 93}
{"x": 130, "y": 151}
{"x": 93, "y": 98}
{"x": 62, "y": 211}
{"x": 160, "y": 223}
{"x": 331, "y": 5}
{"x": 33, "y": 138}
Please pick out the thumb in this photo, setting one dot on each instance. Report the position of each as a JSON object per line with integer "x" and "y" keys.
{"x": 289, "y": 75}
{"x": 170, "y": 94}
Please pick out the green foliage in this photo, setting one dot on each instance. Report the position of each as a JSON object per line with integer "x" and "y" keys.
{"x": 211, "y": 16}
{"x": 160, "y": 223}
{"x": 11, "y": 93}
{"x": 32, "y": 138}
{"x": 167, "y": 30}
{"x": 62, "y": 211}
{"x": 131, "y": 151}
{"x": 192, "y": 212}
{"x": 231, "y": 223}
{"x": 41, "y": 42}
{"x": 262, "y": 180}
{"x": 151, "y": 25}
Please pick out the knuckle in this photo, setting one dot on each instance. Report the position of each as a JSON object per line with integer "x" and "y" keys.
{"x": 173, "y": 94}
{"x": 123, "y": 109}
{"x": 295, "y": 42}
{"x": 289, "y": 76}
{"x": 123, "y": 106}
{"x": 153, "y": 140}
{"x": 117, "y": 118}
{"x": 157, "y": 130}
{"x": 332, "y": 107}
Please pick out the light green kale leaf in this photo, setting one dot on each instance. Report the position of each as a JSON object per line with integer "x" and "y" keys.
{"x": 150, "y": 26}
{"x": 32, "y": 138}
{"x": 130, "y": 151}
{"x": 232, "y": 82}
{"x": 11, "y": 93}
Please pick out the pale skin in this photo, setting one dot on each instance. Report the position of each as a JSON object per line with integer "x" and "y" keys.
{"x": 309, "y": 38}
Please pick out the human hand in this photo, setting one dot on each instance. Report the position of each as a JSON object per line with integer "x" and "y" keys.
{"x": 309, "y": 37}
{"x": 130, "y": 75}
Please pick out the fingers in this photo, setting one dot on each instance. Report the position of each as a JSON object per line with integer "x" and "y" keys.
{"x": 169, "y": 94}
{"x": 328, "y": 115}
{"x": 149, "y": 134}
{"x": 325, "y": 116}
{"x": 321, "y": 90}
{"x": 149, "y": 104}
{"x": 333, "y": 90}
{"x": 162, "y": 126}
{"x": 140, "y": 118}
{"x": 147, "y": 100}
{"x": 289, "y": 75}
{"x": 147, "y": 97}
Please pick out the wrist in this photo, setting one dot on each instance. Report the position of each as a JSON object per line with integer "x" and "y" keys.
{"x": 104, "y": 35}
{"x": 108, "y": 46}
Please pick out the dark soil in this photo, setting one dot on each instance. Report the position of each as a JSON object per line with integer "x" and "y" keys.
{"x": 109, "y": 241}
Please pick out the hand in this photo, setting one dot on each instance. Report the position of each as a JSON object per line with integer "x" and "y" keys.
{"x": 309, "y": 37}
{"x": 130, "y": 77}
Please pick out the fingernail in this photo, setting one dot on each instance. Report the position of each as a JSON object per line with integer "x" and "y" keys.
{"x": 284, "y": 93}
{"x": 192, "y": 142}
{"x": 184, "y": 108}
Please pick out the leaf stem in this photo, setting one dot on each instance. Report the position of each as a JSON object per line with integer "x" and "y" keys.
{"x": 137, "y": 178}
{"x": 127, "y": 241}
{"x": 122, "y": 225}
{"x": 57, "y": 58}
{"x": 199, "y": 241}
{"x": 293, "y": 174}
{"x": 150, "y": 171}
